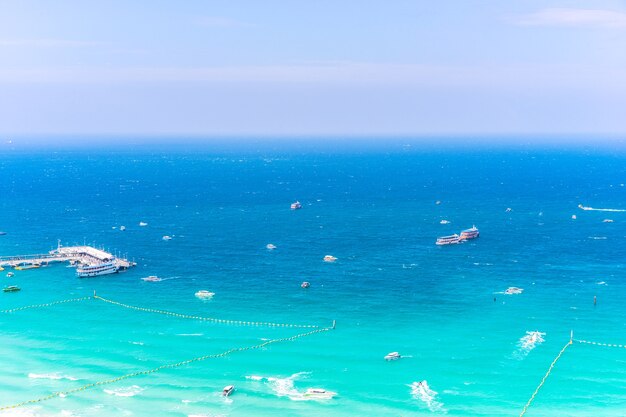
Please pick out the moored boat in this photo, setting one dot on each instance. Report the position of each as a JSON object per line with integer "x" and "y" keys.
{"x": 104, "y": 268}
{"x": 448, "y": 240}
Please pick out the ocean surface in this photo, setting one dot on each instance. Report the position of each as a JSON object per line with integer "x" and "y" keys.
{"x": 378, "y": 209}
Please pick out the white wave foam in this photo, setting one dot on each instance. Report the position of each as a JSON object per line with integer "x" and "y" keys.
{"x": 125, "y": 392}
{"x": 284, "y": 387}
{"x": 421, "y": 391}
{"x": 601, "y": 283}
{"x": 597, "y": 237}
{"x": 190, "y": 334}
{"x": 54, "y": 376}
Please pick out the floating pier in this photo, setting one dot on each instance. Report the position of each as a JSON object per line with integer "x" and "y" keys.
{"x": 75, "y": 255}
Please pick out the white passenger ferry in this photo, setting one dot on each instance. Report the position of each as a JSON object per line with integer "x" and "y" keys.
{"x": 104, "y": 268}
{"x": 448, "y": 240}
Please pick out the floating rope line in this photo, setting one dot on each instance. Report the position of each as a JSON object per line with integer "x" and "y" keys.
{"x": 545, "y": 377}
{"x": 214, "y": 320}
{"x": 71, "y": 300}
{"x": 162, "y": 367}
{"x": 587, "y": 342}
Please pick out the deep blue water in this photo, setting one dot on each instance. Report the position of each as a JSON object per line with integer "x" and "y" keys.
{"x": 392, "y": 289}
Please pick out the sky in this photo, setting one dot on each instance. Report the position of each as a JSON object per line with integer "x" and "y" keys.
{"x": 324, "y": 67}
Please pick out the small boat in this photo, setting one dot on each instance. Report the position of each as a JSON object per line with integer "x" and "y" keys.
{"x": 24, "y": 266}
{"x": 204, "y": 294}
{"x": 10, "y": 274}
{"x": 444, "y": 222}
{"x": 329, "y": 258}
{"x": 448, "y": 240}
{"x": 152, "y": 278}
{"x": 305, "y": 284}
{"x": 319, "y": 393}
{"x": 393, "y": 356}
{"x": 468, "y": 234}
{"x": 122, "y": 228}
{"x": 270, "y": 246}
{"x": 513, "y": 290}
{"x": 295, "y": 206}
{"x": 166, "y": 237}
{"x": 607, "y": 221}
{"x": 11, "y": 288}
{"x": 573, "y": 217}
{"x": 142, "y": 224}
{"x": 508, "y": 210}
{"x": 228, "y": 389}
{"x": 437, "y": 202}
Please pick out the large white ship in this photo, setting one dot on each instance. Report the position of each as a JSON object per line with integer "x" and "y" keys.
{"x": 104, "y": 268}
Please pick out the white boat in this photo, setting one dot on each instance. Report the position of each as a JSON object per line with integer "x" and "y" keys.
{"x": 573, "y": 217}
{"x": 152, "y": 278}
{"x": 329, "y": 258}
{"x": 393, "y": 356}
{"x": 607, "y": 221}
{"x": 305, "y": 284}
{"x": 508, "y": 209}
{"x": 319, "y": 393}
{"x": 104, "y": 268}
{"x": 444, "y": 221}
{"x": 166, "y": 237}
{"x": 296, "y": 206}
{"x": 122, "y": 228}
{"x": 228, "y": 389}
{"x": 448, "y": 240}
{"x": 205, "y": 294}
{"x": 10, "y": 274}
{"x": 142, "y": 224}
{"x": 270, "y": 246}
{"x": 513, "y": 290}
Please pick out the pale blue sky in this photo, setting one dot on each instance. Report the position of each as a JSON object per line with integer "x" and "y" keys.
{"x": 313, "y": 68}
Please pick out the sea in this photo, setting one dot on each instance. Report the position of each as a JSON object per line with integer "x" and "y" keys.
{"x": 467, "y": 347}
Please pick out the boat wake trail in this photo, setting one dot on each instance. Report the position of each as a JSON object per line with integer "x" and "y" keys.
{"x": 284, "y": 387}
{"x": 528, "y": 342}
{"x": 421, "y": 391}
{"x": 580, "y": 206}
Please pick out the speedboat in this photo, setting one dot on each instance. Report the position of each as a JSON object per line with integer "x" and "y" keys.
{"x": 393, "y": 356}
{"x": 11, "y": 288}
{"x": 166, "y": 237}
{"x": 513, "y": 290}
{"x": 228, "y": 389}
{"x": 607, "y": 221}
{"x": 319, "y": 393}
{"x": 305, "y": 284}
{"x": 329, "y": 258}
{"x": 152, "y": 278}
{"x": 295, "y": 206}
{"x": 270, "y": 246}
{"x": 122, "y": 228}
{"x": 10, "y": 274}
{"x": 444, "y": 221}
{"x": 204, "y": 294}
{"x": 142, "y": 224}
{"x": 573, "y": 217}
{"x": 448, "y": 240}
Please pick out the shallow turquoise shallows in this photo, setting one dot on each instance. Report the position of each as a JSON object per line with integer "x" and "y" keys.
{"x": 378, "y": 210}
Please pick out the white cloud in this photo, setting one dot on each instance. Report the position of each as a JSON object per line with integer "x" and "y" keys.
{"x": 575, "y": 18}
{"x": 48, "y": 43}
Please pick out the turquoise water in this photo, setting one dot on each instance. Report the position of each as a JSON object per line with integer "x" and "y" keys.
{"x": 391, "y": 289}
